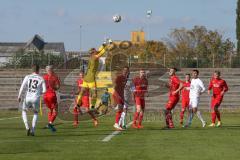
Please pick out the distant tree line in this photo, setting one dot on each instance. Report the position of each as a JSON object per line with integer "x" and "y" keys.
{"x": 196, "y": 47}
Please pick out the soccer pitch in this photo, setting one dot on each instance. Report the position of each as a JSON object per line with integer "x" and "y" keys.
{"x": 152, "y": 142}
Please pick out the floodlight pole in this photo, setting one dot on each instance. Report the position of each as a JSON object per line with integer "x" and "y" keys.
{"x": 80, "y": 49}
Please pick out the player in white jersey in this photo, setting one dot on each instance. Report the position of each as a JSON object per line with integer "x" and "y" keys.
{"x": 196, "y": 89}
{"x": 127, "y": 98}
{"x": 34, "y": 85}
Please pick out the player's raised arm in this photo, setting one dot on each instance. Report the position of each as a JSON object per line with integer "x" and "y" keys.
{"x": 103, "y": 48}
{"x": 24, "y": 84}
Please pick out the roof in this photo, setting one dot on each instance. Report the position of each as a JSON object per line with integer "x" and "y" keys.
{"x": 9, "y": 48}
{"x": 54, "y": 46}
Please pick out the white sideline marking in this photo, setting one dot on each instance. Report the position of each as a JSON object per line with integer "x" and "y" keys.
{"x": 110, "y": 136}
{"x": 2, "y": 119}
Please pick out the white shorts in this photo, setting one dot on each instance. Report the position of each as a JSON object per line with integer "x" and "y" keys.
{"x": 193, "y": 103}
{"x": 30, "y": 102}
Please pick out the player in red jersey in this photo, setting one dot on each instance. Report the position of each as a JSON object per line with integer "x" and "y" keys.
{"x": 85, "y": 103}
{"x": 175, "y": 86}
{"x": 141, "y": 85}
{"x": 118, "y": 95}
{"x": 219, "y": 87}
{"x": 185, "y": 96}
{"x": 50, "y": 98}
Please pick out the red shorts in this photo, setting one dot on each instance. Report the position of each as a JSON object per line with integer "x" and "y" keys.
{"x": 117, "y": 99}
{"x": 85, "y": 101}
{"x": 172, "y": 102}
{"x": 50, "y": 99}
{"x": 140, "y": 101}
{"x": 216, "y": 101}
{"x": 185, "y": 103}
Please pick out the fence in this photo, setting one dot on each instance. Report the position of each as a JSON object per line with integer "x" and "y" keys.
{"x": 25, "y": 61}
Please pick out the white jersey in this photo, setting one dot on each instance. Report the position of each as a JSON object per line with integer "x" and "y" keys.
{"x": 127, "y": 92}
{"x": 196, "y": 88}
{"x": 34, "y": 85}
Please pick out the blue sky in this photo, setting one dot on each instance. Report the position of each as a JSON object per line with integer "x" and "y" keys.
{"x": 60, "y": 20}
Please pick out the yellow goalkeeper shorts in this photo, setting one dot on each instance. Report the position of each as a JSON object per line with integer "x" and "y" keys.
{"x": 89, "y": 84}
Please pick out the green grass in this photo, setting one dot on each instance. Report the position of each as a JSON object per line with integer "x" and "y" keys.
{"x": 152, "y": 142}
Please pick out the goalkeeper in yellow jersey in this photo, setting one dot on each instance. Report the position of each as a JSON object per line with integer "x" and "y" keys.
{"x": 89, "y": 81}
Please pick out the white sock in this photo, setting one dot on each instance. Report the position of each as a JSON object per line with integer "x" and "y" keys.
{"x": 123, "y": 118}
{"x": 120, "y": 120}
{"x": 34, "y": 121}
{"x": 200, "y": 116}
{"x": 24, "y": 117}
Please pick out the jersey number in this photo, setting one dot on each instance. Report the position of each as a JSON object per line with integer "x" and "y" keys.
{"x": 33, "y": 84}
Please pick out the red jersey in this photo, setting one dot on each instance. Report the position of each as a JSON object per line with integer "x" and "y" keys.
{"x": 186, "y": 90}
{"x": 120, "y": 83}
{"x": 218, "y": 85}
{"x": 49, "y": 88}
{"x": 79, "y": 84}
{"x": 141, "y": 85}
{"x": 174, "y": 84}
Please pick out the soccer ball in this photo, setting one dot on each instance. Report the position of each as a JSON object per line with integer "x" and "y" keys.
{"x": 117, "y": 18}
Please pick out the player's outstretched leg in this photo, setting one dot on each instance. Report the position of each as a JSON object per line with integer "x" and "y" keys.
{"x": 201, "y": 118}
{"x": 122, "y": 120}
{"x": 53, "y": 116}
{"x": 75, "y": 115}
{"x": 217, "y": 112}
{"x": 93, "y": 98}
{"x": 117, "y": 117}
{"x": 213, "y": 116}
{"x": 34, "y": 122}
{"x": 95, "y": 121}
{"x": 25, "y": 121}
{"x": 168, "y": 118}
{"x": 165, "y": 117}
{"x": 182, "y": 116}
{"x": 80, "y": 95}
{"x": 190, "y": 118}
{"x": 135, "y": 118}
{"x": 140, "y": 120}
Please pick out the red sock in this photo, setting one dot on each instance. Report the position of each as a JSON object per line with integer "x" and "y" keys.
{"x": 118, "y": 115}
{"x": 218, "y": 115}
{"x": 54, "y": 115}
{"x": 75, "y": 113}
{"x": 169, "y": 117}
{"x": 182, "y": 115}
{"x": 49, "y": 116}
{"x": 136, "y": 115}
{"x": 213, "y": 117}
{"x": 140, "y": 119}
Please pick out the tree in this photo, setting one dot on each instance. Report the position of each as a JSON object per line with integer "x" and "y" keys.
{"x": 199, "y": 47}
